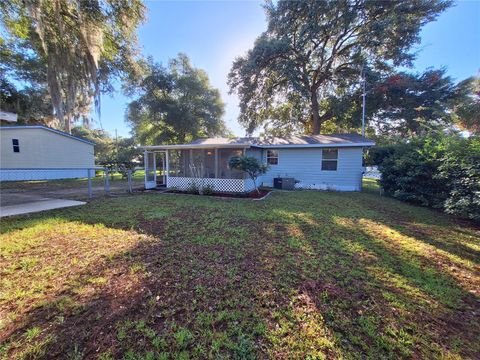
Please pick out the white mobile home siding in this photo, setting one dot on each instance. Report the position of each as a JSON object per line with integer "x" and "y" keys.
{"x": 305, "y": 165}
{"x": 57, "y": 155}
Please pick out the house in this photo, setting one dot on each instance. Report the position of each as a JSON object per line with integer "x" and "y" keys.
{"x": 333, "y": 162}
{"x": 38, "y": 153}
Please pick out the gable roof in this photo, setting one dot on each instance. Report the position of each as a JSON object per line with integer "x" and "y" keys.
{"x": 303, "y": 141}
{"x": 48, "y": 129}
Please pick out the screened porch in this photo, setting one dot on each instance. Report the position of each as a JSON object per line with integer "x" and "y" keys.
{"x": 181, "y": 167}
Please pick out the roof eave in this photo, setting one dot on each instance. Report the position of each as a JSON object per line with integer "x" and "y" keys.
{"x": 187, "y": 146}
{"x": 363, "y": 144}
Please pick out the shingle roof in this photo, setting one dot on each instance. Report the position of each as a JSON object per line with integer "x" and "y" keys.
{"x": 340, "y": 140}
{"x": 332, "y": 139}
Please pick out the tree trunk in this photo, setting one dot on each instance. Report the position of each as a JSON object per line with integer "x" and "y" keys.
{"x": 316, "y": 121}
{"x": 68, "y": 124}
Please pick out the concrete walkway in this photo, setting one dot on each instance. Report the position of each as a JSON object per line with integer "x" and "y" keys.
{"x": 18, "y": 204}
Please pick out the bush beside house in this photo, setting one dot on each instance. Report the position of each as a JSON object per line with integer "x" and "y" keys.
{"x": 435, "y": 171}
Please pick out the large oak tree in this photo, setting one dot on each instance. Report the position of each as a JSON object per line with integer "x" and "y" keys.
{"x": 175, "y": 104}
{"x": 311, "y": 48}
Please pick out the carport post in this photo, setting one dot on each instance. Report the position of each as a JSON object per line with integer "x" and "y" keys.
{"x": 107, "y": 182}
{"x": 89, "y": 183}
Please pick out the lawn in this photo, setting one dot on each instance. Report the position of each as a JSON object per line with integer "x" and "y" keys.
{"x": 299, "y": 275}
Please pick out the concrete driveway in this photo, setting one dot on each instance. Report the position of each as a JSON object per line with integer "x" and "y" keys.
{"x": 18, "y": 203}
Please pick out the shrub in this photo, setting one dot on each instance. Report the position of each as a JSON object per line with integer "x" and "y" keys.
{"x": 440, "y": 172}
{"x": 249, "y": 164}
{"x": 460, "y": 169}
{"x": 193, "y": 188}
{"x": 208, "y": 189}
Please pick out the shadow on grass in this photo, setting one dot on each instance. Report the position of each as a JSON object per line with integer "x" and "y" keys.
{"x": 301, "y": 274}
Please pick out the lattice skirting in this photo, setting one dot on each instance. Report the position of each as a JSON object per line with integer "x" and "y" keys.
{"x": 41, "y": 174}
{"x": 221, "y": 185}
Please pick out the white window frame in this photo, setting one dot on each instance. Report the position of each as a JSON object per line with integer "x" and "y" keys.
{"x": 329, "y": 160}
{"x": 272, "y": 157}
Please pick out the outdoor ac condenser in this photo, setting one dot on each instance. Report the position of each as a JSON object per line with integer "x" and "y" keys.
{"x": 284, "y": 183}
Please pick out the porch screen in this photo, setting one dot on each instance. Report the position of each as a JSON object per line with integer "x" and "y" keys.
{"x": 178, "y": 161}
{"x": 224, "y": 171}
{"x": 192, "y": 163}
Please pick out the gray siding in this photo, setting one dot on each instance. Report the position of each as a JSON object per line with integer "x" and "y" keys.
{"x": 305, "y": 165}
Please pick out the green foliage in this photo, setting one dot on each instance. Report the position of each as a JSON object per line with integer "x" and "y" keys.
{"x": 467, "y": 111}
{"x": 31, "y": 104}
{"x": 73, "y": 48}
{"x": 440, "y": 172}
{"x": 313, "y": 52}
{"x": 193, "y": 188}
{"x": 208, "y": 189}
{"x": 120, "y": 154}
{"x": 460, "y": 169}
{"x": 249, "y": 164}
{"x": 175, "y": 104}
{"x": 407, "y": 104}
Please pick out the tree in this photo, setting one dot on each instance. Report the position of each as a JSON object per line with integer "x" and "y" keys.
{"x": 76, "y": 47}
{"x": 104, "y": 143}
{"x": 414, "y": 104}
{"x": 175, "y": 105}
{"x": 312, "y": 48}
{"x": 29, "y": 104}
{"x": 251, "y": 165}
{"x": 467, "y": 110}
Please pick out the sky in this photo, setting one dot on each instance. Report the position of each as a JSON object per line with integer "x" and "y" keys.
{"x": 214, "y": 33}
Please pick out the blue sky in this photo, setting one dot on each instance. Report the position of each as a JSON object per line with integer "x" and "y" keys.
{"x": 214, "y": 33}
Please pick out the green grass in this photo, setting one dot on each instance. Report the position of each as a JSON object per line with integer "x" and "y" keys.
{"x": 302, "y": 274}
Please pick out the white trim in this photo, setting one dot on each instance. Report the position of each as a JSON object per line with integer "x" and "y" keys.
{"x": 272, "y": 157}
{"x": 337, "y": 160}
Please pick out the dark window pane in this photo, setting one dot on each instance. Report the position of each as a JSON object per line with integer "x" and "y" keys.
{"x": 330, "y": 154}
{"x": 272, "y": 161}
{"x": 329, "y": 165}
{"x": 16, "y": 146}
{"x": 272, "y": 157}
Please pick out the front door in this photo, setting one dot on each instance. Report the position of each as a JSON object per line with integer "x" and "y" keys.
{"x": 150, "y": 170}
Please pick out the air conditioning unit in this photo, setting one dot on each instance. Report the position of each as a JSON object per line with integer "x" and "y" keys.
{"x": 284, "y": 183}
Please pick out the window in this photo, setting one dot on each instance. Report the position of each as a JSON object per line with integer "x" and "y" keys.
{"x": 16, "y": 145}
{"x": 329, "y": 159}
{"x": 272, "y": 157}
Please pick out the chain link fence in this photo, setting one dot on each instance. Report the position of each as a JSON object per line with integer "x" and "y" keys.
{"x": 17, "y": 185}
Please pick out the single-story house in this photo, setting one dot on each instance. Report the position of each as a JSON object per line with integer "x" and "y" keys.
{"x": 333, "y": 162}
{"x": 38, "y": 152}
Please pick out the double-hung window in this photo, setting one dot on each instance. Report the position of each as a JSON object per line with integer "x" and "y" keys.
{"x": 329, "y": 159}
{"x": 16, "y": 145}
{"x": 272, "y": 157}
